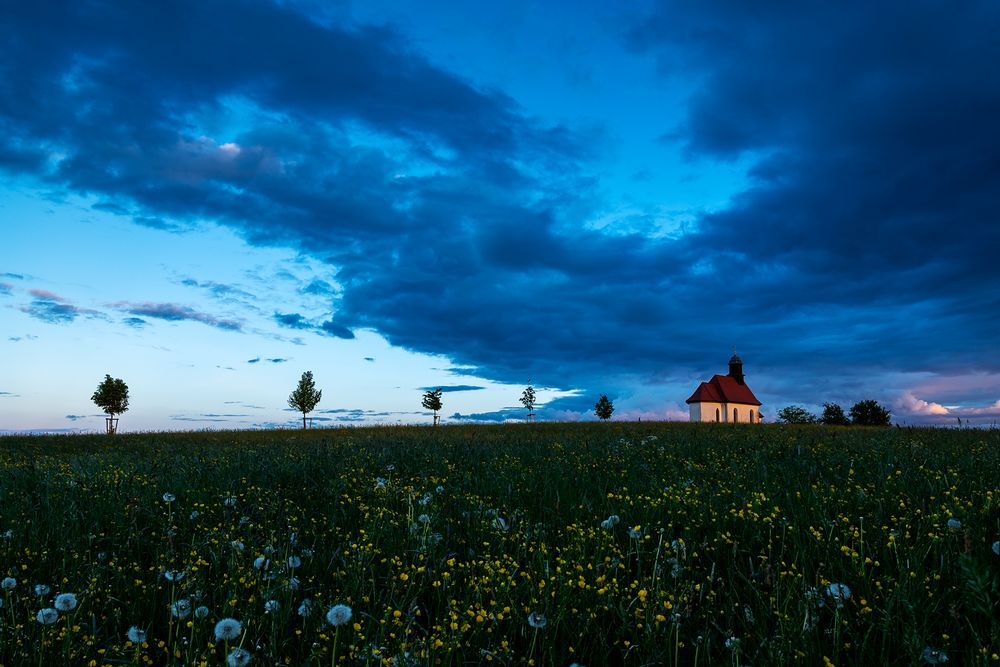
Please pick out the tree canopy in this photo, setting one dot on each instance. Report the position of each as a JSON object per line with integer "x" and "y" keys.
{"x": 528, "y": 398}
{"x": 869, "y": 413}
{"x": 432, "y": 401}
{"x": 604, "y": 408}
{"x": 833, "y": 415}
{"x": 112, "y": 397}
{"x": 794, "y": 414}
{"x": 305, "y": 397}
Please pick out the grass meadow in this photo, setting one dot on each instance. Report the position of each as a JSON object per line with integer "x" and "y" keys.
{"x": 550, "y": 544}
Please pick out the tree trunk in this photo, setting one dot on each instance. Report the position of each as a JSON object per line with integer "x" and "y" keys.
{"x": 303, "y": 420}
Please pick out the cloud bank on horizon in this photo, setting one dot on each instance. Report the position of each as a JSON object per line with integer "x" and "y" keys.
{"x": 858, "y": 258}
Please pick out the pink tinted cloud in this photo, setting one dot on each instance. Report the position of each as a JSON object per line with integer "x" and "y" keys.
{"x": 47, "y": 295}
{"x": 909, "y": 404}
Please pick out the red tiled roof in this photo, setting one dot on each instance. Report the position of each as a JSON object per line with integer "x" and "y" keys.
{"x": 723, "y": 389}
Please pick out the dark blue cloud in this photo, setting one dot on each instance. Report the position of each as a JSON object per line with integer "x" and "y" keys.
{"x": 497, "y": 416}
{"x": 336, "y": 330}
{"x": 8, "y": 394}
{"x": 453, "y": 387}
{"x": 244, "y": 405}
{"x": 319, "y": 287}
{"x": 369, "y": 358}
{"x": 292, "y": 321}
{"x": 173, "y": 312}
{"x": 5, "y": 288}
{"x": 277, "y": 360}
{"x": 255, "y": 360}
{"x": 135, "y": 322}
{"x": 864, "y": 239}
{"x": 299, "y": 321}
{"x": 211, "y": 417}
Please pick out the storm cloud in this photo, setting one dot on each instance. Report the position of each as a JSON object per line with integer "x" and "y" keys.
{"x": 864, "y": 238}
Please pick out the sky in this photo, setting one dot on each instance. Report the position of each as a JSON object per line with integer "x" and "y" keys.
{"x": 208, "y": 199}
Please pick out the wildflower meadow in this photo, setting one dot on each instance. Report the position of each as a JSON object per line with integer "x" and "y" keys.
{"x": 542, "y": 544}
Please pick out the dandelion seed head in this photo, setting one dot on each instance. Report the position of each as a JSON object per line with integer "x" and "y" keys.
{"x": 238, "y": 658}
{"x": 181, "y": 608}
{"x": 934, "y": 656}
{"x": 839, "y": 592}
{"x": 8, "y": 583}
{"x": 173, "y": 575}
{"x": 47, "y": 616}
{"x": 305, "y": 608}
{"x": 339, "y": 614}
{"x": 65, "y": 602}
{"x": 272, "y": 606}
{"x": 228, "y": 629}
{"x": 954, "y": 524}
{"x": 261, "y": 563}
{"x": 136, "y": 635}
{"x": 537, "y": 620}
{"x": 294, "y": 562}
{"x": 996, "y": 547}
{"x": 201, "y": 612}
{"x": 169, "y": 497}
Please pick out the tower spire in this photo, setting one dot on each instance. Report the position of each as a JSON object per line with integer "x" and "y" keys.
{"x": 736, "y": 368}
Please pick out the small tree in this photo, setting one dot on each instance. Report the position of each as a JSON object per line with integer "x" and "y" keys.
{"x": 432, "y": 401}
{"x": 112, "y": 397}
{"x": 869, "y": 413}
{"x": 305, "y": 397}
{"x": 833, "y": 415}
{"x": 604, "y": 408}
{"x": 528, "y": 400}
{"x": 794, "y": 414}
